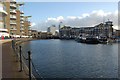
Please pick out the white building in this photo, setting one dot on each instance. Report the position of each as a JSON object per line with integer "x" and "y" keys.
{"x": 3, "y": 13}
{"x": 52, "y": 29}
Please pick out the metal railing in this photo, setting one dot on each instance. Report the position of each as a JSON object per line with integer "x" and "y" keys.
{"x": 25, "y": 61}
{"x": 13, "y": 16}
{"x": 13, "y": 22}
{"x": 13, "y": 11}
{"x": 13, "y": 5}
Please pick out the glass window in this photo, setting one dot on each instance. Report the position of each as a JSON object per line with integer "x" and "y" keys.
{"x": 4, "y": 6}
{"x": 1, "y": 4}
{"x": 1, "y": 25}
{"x": 1, "y": 17}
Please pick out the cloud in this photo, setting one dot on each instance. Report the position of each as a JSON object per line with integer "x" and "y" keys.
{"x": 85, "y": 15}
{"x": 33, "y": 24}
{"x": 60, "y": 18}
{"x": 101, "y": 13}
{"x": 71, "y": 17}
{"x": 85, "y": 20}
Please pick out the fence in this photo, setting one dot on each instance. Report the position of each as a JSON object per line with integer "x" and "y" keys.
{"x": 25, "y": 61}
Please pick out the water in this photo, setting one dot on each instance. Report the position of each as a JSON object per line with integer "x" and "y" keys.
{"x": 69, "y": 59}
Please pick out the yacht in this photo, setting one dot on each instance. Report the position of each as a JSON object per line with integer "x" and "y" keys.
{"x": 88, "y": 39}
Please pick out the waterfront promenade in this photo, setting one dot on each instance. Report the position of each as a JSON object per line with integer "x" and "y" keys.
{"x": 10, "y": 67}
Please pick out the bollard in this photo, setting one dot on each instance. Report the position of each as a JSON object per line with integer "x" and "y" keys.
{"x": 20, "y": 59}
{"x": 29, "y": 63}
{"x": 2, "y": 37}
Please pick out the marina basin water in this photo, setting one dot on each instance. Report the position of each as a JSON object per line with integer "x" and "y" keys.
{"x": 69, "y": 59}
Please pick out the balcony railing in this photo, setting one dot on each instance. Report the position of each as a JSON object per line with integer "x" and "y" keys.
{"x": 22, "y": 15}
{"x": 13, "y": 0}
{"x": 13, "y": 29}
{"x": 12, "y": 22}
{"x": 12, "y": 16}
{"x": 13, "y": 11}
{"x": 22, "y": 29}
{"x": 29, "y": 23}
{"x": 22, "y": 32}
{"x": 22, "y": 19}
{"x": 22, "y": 25}
{"x": 22, "y": 22}
{"x": 13, "y": 5}
{"x": 3, "y": 11}
{"x": 22, "y": 12}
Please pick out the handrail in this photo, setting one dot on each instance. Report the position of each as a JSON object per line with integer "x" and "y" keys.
{"x": 22, "y": 58}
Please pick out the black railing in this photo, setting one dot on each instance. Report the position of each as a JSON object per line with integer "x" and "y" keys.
{"x": 25, "y": 61}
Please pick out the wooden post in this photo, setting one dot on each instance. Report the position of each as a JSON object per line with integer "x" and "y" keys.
{"x": 29, "y": 64}
{"x": 20, "y": 59}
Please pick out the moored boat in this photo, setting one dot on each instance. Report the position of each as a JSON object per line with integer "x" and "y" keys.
{"x": 88, "y": 40}
{"x": 92, "y": 40}
{"x": 103, "y": 40}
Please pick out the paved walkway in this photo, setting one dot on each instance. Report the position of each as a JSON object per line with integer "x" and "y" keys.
{"x": 4, "y": 41}
{"x": 0, "y": 60}
{"x": 10, "y": 68}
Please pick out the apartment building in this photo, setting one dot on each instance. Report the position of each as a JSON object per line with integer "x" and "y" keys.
{"x": 21, "y": 23}
{"x": 11, "y": 17}
{"x": 102, "y": 29}
{"x": 64, "y": 32}
{"x": 3, "y": 14}
{"x": 26, "y": 25}
{"x": 16, "y": 23}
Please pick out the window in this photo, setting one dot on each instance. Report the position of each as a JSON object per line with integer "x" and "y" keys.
{"x": 1, "y": 17}
{"x": 1, "y": 25}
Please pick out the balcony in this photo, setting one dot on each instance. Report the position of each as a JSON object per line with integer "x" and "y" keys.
{"x": 12, "y": 17}
{"x": 13, "y": 5}
{"x": 3, "y": 11}
{"x": 22, "y": 29}
{"x": 22, "y": 22}
{"x": 22, "y": 19}
{"x": 22, "y": 25}
{"x": 12, "y": 1}
{"x": 13, "y": 29}
{"x": 12, "y": 23}
{"x": 23, "y": 32}
{"x": 21, "y": 15}
{"x": 21, "y": 12}
{"x": 29, "y": 23}
{"x": 13, "y": 11}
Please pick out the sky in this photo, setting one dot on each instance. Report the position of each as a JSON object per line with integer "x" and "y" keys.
{"x": 45, "y": 14}
{"x": 68, "y": 0}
